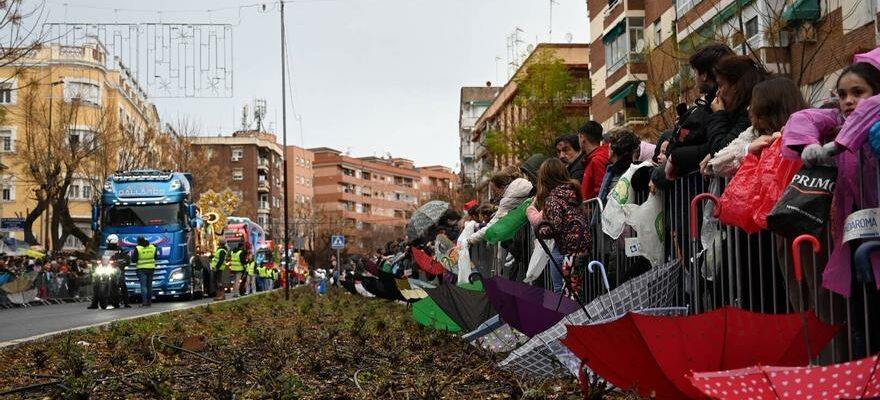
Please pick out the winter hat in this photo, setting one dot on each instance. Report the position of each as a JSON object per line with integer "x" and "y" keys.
{"x": 872, "y": 57}
{"x": 531, "y": 166}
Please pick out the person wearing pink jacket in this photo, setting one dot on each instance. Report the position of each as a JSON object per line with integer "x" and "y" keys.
{"x": 819, "y": 136}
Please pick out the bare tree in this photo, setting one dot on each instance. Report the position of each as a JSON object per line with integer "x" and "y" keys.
{"x": 18, "y": 37}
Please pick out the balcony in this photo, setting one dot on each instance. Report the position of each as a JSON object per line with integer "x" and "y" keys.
{"x": 263, "y": 207}
{"x": 263, "y": 164}
{"x": 263, "y": 185}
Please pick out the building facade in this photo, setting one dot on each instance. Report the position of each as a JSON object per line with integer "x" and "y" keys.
{"x": 638, "y": 57}
{"x": 504, "y": 115}
{"x": 370, "y": 199}
{"x": 250, "y": 164}
{"x": 80, "y": 108}
{"x": 439, "y": 183}
{"x": 301, "y": 194}
{"x": 473, "y": 103}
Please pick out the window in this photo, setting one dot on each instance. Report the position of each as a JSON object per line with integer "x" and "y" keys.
{"x": 73, "y": 191}
{"x": 237, "y": 174}
{"x": 7, "y": 140}
{"x": 237, "y": 154}
{"x": 7, "y": 92}
{"x": 82, "y": 91}
{"x": 625, "y": 47}
{"x": 683, "y": 6}
{"x": 79, "y": 138}
{"x": 751, "y": 27}
{"x": 87, "y": 192}
{"x": 658, "y": 33}
{"x": 7, "y": 188}
{"x": 150, "y": 215}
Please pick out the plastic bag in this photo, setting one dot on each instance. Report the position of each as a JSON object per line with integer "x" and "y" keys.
{"x": 742, "y": 195}
{"x": 539, "y": 260}
{"x": 614, "y": 215}
{"x": 647, "y": 220}
{"x": 776, "y": 175}
{"x": 505, "y": 228}
{"x": 711, "y": 237}
{"x": 805, "y": 208}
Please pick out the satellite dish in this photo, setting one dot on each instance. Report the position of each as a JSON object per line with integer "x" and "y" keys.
{"x": 569, "y": 37}
{"x": 530, "y": 48}
{"x": 640, "y": 90}
{"x": 640, "y": 45}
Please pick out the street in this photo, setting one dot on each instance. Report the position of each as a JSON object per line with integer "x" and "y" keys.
{"x": 26, "y": 323}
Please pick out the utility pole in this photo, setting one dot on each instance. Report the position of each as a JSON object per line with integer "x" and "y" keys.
{"x": 284, "y": 156}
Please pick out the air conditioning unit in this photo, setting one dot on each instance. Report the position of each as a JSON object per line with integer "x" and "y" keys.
{"x": 619, "y": 118}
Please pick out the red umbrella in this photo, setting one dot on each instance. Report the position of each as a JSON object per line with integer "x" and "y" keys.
{"x": 853, "y": 380}
{"x": 426, "y": 262}
{"x": 652, "y": 354}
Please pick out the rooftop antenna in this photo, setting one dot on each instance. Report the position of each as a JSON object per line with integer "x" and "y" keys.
{"x": 569, "y": 37}
{"x": 259, "y": 113}
{"x": 245, "y": 122}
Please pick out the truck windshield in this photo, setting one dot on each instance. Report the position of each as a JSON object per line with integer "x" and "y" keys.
{"x": 164, "y": 214}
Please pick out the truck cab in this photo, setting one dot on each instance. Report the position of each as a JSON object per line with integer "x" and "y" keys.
{"x": 156, "y": 205}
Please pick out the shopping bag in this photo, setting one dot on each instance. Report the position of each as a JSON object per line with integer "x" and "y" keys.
{"x": 505, "y": 228}
{"x": 539, "y": 260}
{"x": 805, "y": 207}
{"x": 742, "y": 195}
{"x": 614, "y": 214}
{"x": 647, "y": 220}
{"x": 776, "y": 175}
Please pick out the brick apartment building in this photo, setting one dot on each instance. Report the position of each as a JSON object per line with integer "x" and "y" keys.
{"x": 370, "y": 199}
{"x": 300, "y": 172}
{"x": 504, "y": 115}
{"x": 253, "y": 162}
{"x": 473, "y": 103}
{"x": 638, "y": 57}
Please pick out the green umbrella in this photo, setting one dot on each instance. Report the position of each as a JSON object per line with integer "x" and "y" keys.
{"x": 428, "y": 313}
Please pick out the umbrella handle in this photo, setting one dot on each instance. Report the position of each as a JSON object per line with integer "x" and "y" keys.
{"x": 695, "y": 202}
{"x": 796, "y": 246}
{"x": 602, "y": 271}
{"x": 863, "y": 260}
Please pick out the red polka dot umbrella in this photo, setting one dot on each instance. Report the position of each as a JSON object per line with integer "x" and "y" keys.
{"x": 852, "y": 380}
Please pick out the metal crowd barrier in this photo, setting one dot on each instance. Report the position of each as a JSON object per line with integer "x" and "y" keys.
{"x": 50, "y": 288}
{"x": 750, "y": 271}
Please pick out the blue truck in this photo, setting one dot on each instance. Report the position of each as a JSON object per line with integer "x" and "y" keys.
{"x": 158, "y": 205}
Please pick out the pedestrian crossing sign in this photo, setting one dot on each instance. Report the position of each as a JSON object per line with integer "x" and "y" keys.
{"x": 337, "y": 242}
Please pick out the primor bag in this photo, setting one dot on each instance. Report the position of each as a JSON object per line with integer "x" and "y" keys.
{"x": 805, "y": 207}
{"x": 776, "y": 175}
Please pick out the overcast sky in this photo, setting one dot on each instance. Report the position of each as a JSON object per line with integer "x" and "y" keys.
{"x": 370, "y": 76}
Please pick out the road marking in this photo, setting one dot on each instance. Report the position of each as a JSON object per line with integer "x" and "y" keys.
{"x": 15, "y": 342}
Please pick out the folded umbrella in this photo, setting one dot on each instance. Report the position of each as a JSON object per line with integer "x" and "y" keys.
{"x": 529, "y": 309}
{"x": 653, "y": 354}
{"x": 544, "y": 356}
{"x": 851, "y": 380}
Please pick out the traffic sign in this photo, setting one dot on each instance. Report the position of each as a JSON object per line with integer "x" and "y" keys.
{"x": 337, "y": 242}
{"x": 12, "y": 224}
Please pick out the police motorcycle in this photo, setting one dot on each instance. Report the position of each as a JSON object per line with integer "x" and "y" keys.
{"x": 107, "y": 278}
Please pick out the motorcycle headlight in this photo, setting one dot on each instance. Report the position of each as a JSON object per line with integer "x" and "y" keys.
{"x": 177, "y": 275}
{"x": 104, "y": 270}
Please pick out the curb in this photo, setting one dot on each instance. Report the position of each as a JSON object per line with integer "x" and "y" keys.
{"x": 43, "y": 336}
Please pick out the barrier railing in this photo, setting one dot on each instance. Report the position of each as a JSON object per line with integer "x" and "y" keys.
{"x": 49, "y": 288}
{"x": 723, "y": 265}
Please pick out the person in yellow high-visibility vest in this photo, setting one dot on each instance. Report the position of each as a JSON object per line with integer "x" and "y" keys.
{"x": 236, "y": 266}
{"x": 262, "y": 274}
{"x": 144, "y": 256}
{"x": 219, "y": 270}
{"x": 251, "y": 280}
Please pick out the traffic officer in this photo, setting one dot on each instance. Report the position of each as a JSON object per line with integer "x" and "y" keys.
{"x": 261, "y": 277}
{"x": 144, "y": 256}
{"x": 236, "y": 265}
{"x": 219, "y": 269}
{"x": 251, "y": 281}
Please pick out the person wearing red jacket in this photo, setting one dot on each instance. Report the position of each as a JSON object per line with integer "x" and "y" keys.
{"x": 596, "y": 160}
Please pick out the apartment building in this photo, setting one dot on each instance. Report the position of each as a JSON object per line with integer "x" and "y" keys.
{"x": 638, "y": 57}
{"x": 473, "y": 103}
{"x": 300, "y": 172}
{"x": 438, "y": 183}
{"x": 250, "y": 164}
{"x": 370, "y": 199}
{"x": 72, "y": 102}
{"x": 504, "y": 115}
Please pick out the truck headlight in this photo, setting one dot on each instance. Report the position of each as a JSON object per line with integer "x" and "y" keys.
{"x": 108, "y": 187}
{"x": 175, "y": 184}
{"x": 177, "y": 275}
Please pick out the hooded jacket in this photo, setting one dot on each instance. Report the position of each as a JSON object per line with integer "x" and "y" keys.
{"x": 595, "y": 165}
{"x": 518, "y": 191}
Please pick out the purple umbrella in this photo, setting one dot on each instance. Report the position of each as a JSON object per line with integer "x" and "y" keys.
{"x": 529, "y": 309}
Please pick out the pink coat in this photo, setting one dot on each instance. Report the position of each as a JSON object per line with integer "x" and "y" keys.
{"x": 856, "y": 166}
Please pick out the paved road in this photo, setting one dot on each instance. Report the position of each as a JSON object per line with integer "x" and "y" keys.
{"x": 20, "y": 324}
